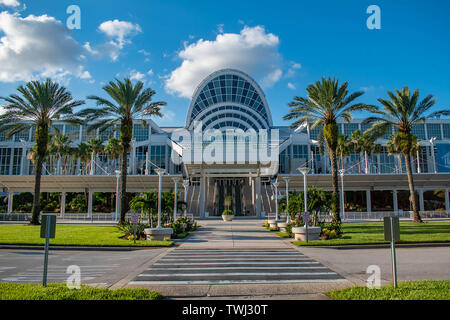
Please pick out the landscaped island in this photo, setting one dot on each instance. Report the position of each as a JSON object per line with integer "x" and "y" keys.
{"x": 16, "y": 291}
{"x": 372, "y": 233}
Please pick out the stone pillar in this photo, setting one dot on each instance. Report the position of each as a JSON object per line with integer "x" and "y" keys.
{"x": 90, "y": 201}
{"x": 394, "y": 196}
{"x": 63, "y": 204}
{"x": 447, "y": 202}
{"x": 257, "y": 182}
{"x": 368, "y": 201}
{"x": 421, "y": 201}
{"x": 10, "y": 202}
{"x": 202, "y": 196}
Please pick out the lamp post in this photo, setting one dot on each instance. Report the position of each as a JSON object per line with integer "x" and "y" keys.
{"x": 118, "y": 172}
{"x": 432, "y": 140}
{"x": 160, "y": 173}
{"x": 275, "y": 184}
{"x": 341, "y": 173}
{"x": 175, "y": 181}
{"x": 185, "y": 185}
{"x": 305, "y": 171}
{"x": 286, "y": 179}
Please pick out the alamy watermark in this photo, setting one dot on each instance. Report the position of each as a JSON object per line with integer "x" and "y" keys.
{"x": 74, "y": 280}
{"x": 74, "y": 20}
{"x": 374, "y": 20}
{"x": 374, "y": 280}
{"x": 228, "y": 146}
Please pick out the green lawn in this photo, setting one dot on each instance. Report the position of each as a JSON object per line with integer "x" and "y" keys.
{"x": 14, "y": 291}
{"x": 372, "y": 233}
{"x": 411, "y": 290}
{"x": 73, "y": 235}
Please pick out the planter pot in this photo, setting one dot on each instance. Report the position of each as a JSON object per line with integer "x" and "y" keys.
{"x": 227, "y": 218}
{"x": 282, "y": 226}
{"x": 273, "y": 223}
{"x": 300, "y": 233}
{"x": 158, "y": 233}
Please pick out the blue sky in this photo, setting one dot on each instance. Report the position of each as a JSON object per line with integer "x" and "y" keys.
{"x": 284, "y": 45}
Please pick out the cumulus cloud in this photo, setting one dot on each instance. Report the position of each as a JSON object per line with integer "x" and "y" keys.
{"x": 119, "y": 34}
{"x": 37, "y": 47}
{"x": 10, "y": 3}
{"x": 291, "y": 86}
{"x": 252, "y": 50}
{"x": 136, "y": 75}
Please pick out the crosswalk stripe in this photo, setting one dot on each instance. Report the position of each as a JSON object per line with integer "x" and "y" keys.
{"x": 232, "y": 281}
{"x": 236, "y": 274}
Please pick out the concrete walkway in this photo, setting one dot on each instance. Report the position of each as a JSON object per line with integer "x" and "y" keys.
{"x": 238, "y": 259}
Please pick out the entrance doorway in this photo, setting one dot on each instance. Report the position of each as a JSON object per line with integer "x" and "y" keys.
{"x": 230, "y": 194}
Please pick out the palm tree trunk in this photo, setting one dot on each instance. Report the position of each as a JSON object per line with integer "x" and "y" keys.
{"x": 412, "y": 194}
{"x": 335, "y": 184}
{"x": 124, "y": 175}
{"x": 37, "y": 192}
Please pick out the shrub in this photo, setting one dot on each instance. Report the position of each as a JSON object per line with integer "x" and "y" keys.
{"x": 128, "y": 228}
{"x": 228, "y": 213}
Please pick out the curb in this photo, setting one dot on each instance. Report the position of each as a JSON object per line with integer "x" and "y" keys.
{"x": 72, "y": 248}
{"x": 382, "y": 246}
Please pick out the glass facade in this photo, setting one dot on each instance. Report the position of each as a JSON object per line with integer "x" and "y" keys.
{"x": 419, "y": 131}
{"x": 446, "y": 130}
{"x": 5, "y": 161}
{"x": 349, "y": 128}
{"x": 140, "y": 133}
{"x": 157, "y": 158}
{"x": 434, "y": 130}
{"x": 229, "y": 89}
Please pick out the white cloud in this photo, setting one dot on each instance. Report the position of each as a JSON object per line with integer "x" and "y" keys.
{"x": 136, "y": 75}
{"x": 150, "y": 72}
{"x": 10, "y": 3}
{"x": 291, "y": 86}
{"x": 37, "y": 47}
{"x": 119, "y": 30}
{"x": 252, "y": 50}
{"x": 119, "y": 34}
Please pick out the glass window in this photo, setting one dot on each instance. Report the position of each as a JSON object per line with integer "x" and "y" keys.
{"x": 157, "y": 158}
{"x": 314, "y": 133}
{"x": 446, "y": 129}
{"x": 419, "y": 131}
{"x": 17, "y": 160}
{"x": 5, "y": 160}
{"x": 349, "y": 128}
{"x": 300, "y": 151}
{"x": 86, "y": 136}
{"x": 24, "y": 135}
{"x": 434, "y": 130}
{"x": 73, "y": 133}
{"x": 140, "y": 132}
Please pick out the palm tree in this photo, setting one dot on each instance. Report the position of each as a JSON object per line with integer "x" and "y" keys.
{"x": 147, "y": 202}
{"x": 344, "y": 148}
{"x": 38, "y": 105}
{"x": 393, "y": 149}
{"x": 96, "y": 147}
{"x": 326, "y": 102}
{"x": 402, "y": 112}
{"x": 82, "y": 152}
{"x": 61, "y": 148}
{"x": 128, "y": 103}
{"x": 369, "y": 147}
{"x": 357, "y": 146}
{"x": 114, "y": 149}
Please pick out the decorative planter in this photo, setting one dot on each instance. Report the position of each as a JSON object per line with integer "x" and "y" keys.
{"x": 300, "y": 233}
{"x": 227, "y": 217}
{"x": 282, "y": 226}
{"x": 158, "y": 234}
{"x": 273, "y": 223}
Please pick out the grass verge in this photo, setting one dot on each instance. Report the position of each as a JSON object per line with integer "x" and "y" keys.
{"x": 73, "y": 235}
{"x": 410, "y": 290}
{"x": 373, "y": 233}
{"x": 15, "y": 291}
